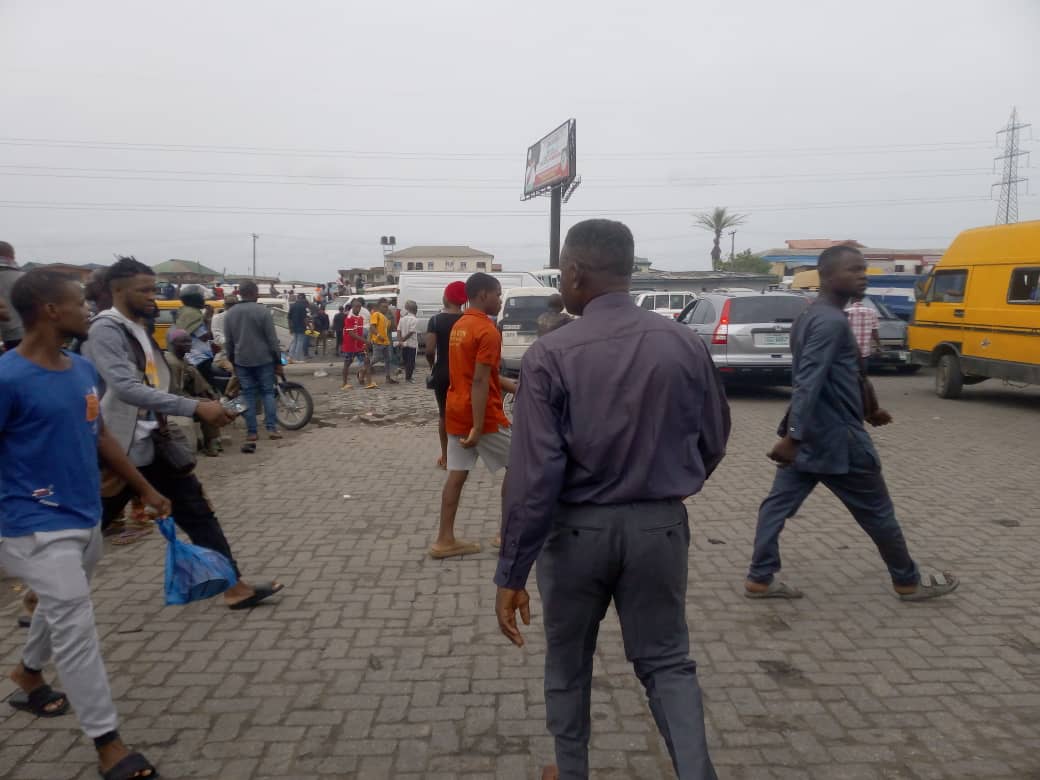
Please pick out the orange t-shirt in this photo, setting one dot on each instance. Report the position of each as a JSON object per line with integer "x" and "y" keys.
{"x": 474, "y": 339}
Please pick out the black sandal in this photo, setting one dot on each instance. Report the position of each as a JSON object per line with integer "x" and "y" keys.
{"x": 260, "y": 592}
{"x": 130, "y": 768}
{"x": 249, "y": 447}
{"x": 37, "y": 700}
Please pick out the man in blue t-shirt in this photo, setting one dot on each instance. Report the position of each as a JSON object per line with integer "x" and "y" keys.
{"x": 51, "y": 436}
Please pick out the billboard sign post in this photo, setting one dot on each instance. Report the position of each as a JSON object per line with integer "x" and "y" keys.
{"x": 551, "y": 170}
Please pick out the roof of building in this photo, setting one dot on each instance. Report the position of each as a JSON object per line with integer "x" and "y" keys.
{"x": 819, "y": 243}
{"x": 425, "y": 252}
{"x": 59, "y": 265}
{"x": 184, "y": 267}
{"x": 653, "y": 273}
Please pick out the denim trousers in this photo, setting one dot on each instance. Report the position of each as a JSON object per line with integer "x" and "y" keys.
{"x": 258, "y": 380}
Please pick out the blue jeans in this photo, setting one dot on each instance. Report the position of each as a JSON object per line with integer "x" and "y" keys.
{"x": 253, "y": 379}
{"x": 297, "y": 349}
{"x": 864, "y": 494}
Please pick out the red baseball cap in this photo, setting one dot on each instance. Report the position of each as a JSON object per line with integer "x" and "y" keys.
{"x": 456, "y": 293}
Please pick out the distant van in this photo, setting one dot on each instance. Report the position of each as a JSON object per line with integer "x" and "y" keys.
{"x": 426, "y": 288}
{"x": 977, "y": 315}
{"x": 518, "y": 321}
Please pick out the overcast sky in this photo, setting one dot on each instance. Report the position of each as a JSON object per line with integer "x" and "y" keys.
{"x": 179, "y": 129}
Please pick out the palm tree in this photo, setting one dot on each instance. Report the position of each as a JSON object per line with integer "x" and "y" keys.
{"x": 716, "y": 222}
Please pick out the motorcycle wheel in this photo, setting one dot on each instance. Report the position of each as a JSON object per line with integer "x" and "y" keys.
{"x": 295, "y": 406}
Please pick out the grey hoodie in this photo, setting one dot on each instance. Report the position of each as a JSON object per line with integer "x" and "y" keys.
{"x": 125, "y": 397}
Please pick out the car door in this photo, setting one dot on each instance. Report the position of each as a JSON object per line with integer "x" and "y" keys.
{"x": 944, "y": 308}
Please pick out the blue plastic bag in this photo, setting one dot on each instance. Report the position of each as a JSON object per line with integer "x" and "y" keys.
{"x": 193, "y": 573}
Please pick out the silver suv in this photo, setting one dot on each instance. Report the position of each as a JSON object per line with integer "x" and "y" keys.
{"x": 748, "y": 334}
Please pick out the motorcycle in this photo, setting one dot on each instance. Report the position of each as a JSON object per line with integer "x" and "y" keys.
{"x": 294, "y": 403}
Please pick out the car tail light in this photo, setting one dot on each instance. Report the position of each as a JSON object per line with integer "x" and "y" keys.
{"x": 721, "y": 334}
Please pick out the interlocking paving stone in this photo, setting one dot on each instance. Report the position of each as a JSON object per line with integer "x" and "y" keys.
{"x": 378, "y": 662}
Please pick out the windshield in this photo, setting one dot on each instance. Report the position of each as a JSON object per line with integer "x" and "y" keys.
{"x": 525, "y": 307}
{"x": 766, "y": 308}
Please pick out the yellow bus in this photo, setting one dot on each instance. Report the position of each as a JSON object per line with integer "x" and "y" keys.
{"x": 977, "y": 315}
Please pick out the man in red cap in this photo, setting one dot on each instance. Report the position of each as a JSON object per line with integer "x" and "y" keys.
{"x": 438, "y": 334}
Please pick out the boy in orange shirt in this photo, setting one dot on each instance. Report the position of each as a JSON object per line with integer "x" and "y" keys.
{"x": 475, "y": 422}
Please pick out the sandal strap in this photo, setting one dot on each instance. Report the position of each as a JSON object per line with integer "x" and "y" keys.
{"x": 129, "y": 767}
{"x": 40, "y": 697}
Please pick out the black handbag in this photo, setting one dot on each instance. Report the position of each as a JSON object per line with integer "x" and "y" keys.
{"x": 173, "y": 448}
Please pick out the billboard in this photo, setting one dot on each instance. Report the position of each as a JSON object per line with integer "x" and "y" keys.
{"x": 552, "y": 160}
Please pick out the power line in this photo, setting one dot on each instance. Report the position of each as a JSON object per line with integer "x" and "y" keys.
{"x": 285, "y": 211}
{"x": 1007, "y": 209}
{"x": 481, "y": 156}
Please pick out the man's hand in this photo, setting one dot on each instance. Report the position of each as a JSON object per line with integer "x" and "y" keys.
{"x": 5, "y": 315}
{"x": 784, "y": 451}
{"x": 160, "y": 503}
{"x": 472, "y": 439}
{"x": 279, "y": 370}
{"x": 507, "y": 602}
{"x": 879, "y": 417}
{"x": 214, "y": 413}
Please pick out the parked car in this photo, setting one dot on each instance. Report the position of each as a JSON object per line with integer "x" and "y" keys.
{"x": 518, "y": 321}
{"x": 667, "y": 304}
{"x": 747, "y": 334}
{"x": 978, "y": 315}
{"x": 892, "y": 332}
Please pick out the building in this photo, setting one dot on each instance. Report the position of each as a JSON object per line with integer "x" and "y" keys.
{"x": 370, "y": 276}
{"x": 186, "y": 272}
{"x": 463, "y": 259}
{"x": 699, "y": 281}
{"x": 801, "y": 254}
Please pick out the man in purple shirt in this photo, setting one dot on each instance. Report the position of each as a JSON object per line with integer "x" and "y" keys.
{"x": 618, "y": 418}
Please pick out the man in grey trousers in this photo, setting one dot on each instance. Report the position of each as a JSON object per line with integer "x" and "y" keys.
{"x": 618, "y": 418}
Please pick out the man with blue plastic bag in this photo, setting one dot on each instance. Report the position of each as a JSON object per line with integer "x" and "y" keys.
{"x": 51, "y": 436}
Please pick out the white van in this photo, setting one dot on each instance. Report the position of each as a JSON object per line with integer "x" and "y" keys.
{"x": 667, "y": 304}
{"x": 426, "y": 288}
{"x": 518, "y": 321}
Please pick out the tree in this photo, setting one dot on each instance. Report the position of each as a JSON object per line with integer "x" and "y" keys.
{"x": 747, "y": 262}
{"x": 716, "y": 222}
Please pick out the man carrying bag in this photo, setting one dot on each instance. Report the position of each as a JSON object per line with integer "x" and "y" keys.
{"x": 134, "y": 403}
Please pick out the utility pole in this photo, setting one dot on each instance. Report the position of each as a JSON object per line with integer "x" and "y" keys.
{"x": 255, "y": 237}
{"x": 732, "y": 243}
{"x": 1007, "y": 208}
{"x": 555, "y": 207}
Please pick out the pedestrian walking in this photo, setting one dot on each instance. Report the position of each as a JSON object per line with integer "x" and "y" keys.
{"x": 337, "y": 329}
{"x": 379, "y": 329}
{"x": 613, "y": 528}
{"x": 10, "y": 328}
{"x": 823, "y": 440}
{"x": 353, "y": 347}
{"x": 298, "y": 328}
{"x": 554, "y": 317}
{"x": 320, "y": 323}
{"x": 476, "y": 425}
{"x": 438, "y": 336}
{"x": 51, "y": 438}
{"x": 253, "y": 349}
{"x": 408, "y": 338}
{"x": 864, "y": 323}
{"x": 135, "y": 397}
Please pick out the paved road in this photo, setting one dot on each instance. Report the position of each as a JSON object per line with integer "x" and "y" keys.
{"x": 379, "y": 662}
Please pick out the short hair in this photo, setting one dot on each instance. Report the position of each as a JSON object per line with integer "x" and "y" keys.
{"x": 97, "y": 284}
{"x": 412, "y": 306}
{"x": 359, "y": 298}
{"x": 830, "y": 258}
{"x": 37, "y": 288}
{"x": 248, "y": 288}
{"x": 381, "y": 301}
{"x": 480, "y": 282}
{"x": 555, "y": 301}
{"x": 6, "y": 250}
{"x": 126, "y": 268}
{"x": 605, "y": 245}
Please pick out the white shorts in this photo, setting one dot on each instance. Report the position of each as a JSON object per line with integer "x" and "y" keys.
{"x": 493, "y": 449}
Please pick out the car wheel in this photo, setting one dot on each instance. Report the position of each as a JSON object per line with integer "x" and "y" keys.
{"x": 948, "y": 377}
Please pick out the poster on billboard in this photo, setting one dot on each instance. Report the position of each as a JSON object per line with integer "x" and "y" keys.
{"x": 551, "y": 161}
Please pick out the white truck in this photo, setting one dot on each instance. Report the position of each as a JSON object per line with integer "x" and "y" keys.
{"x": 427, "y": 288}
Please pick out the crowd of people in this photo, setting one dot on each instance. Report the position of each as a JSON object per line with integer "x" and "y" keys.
{"x": 619, "y": 419}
